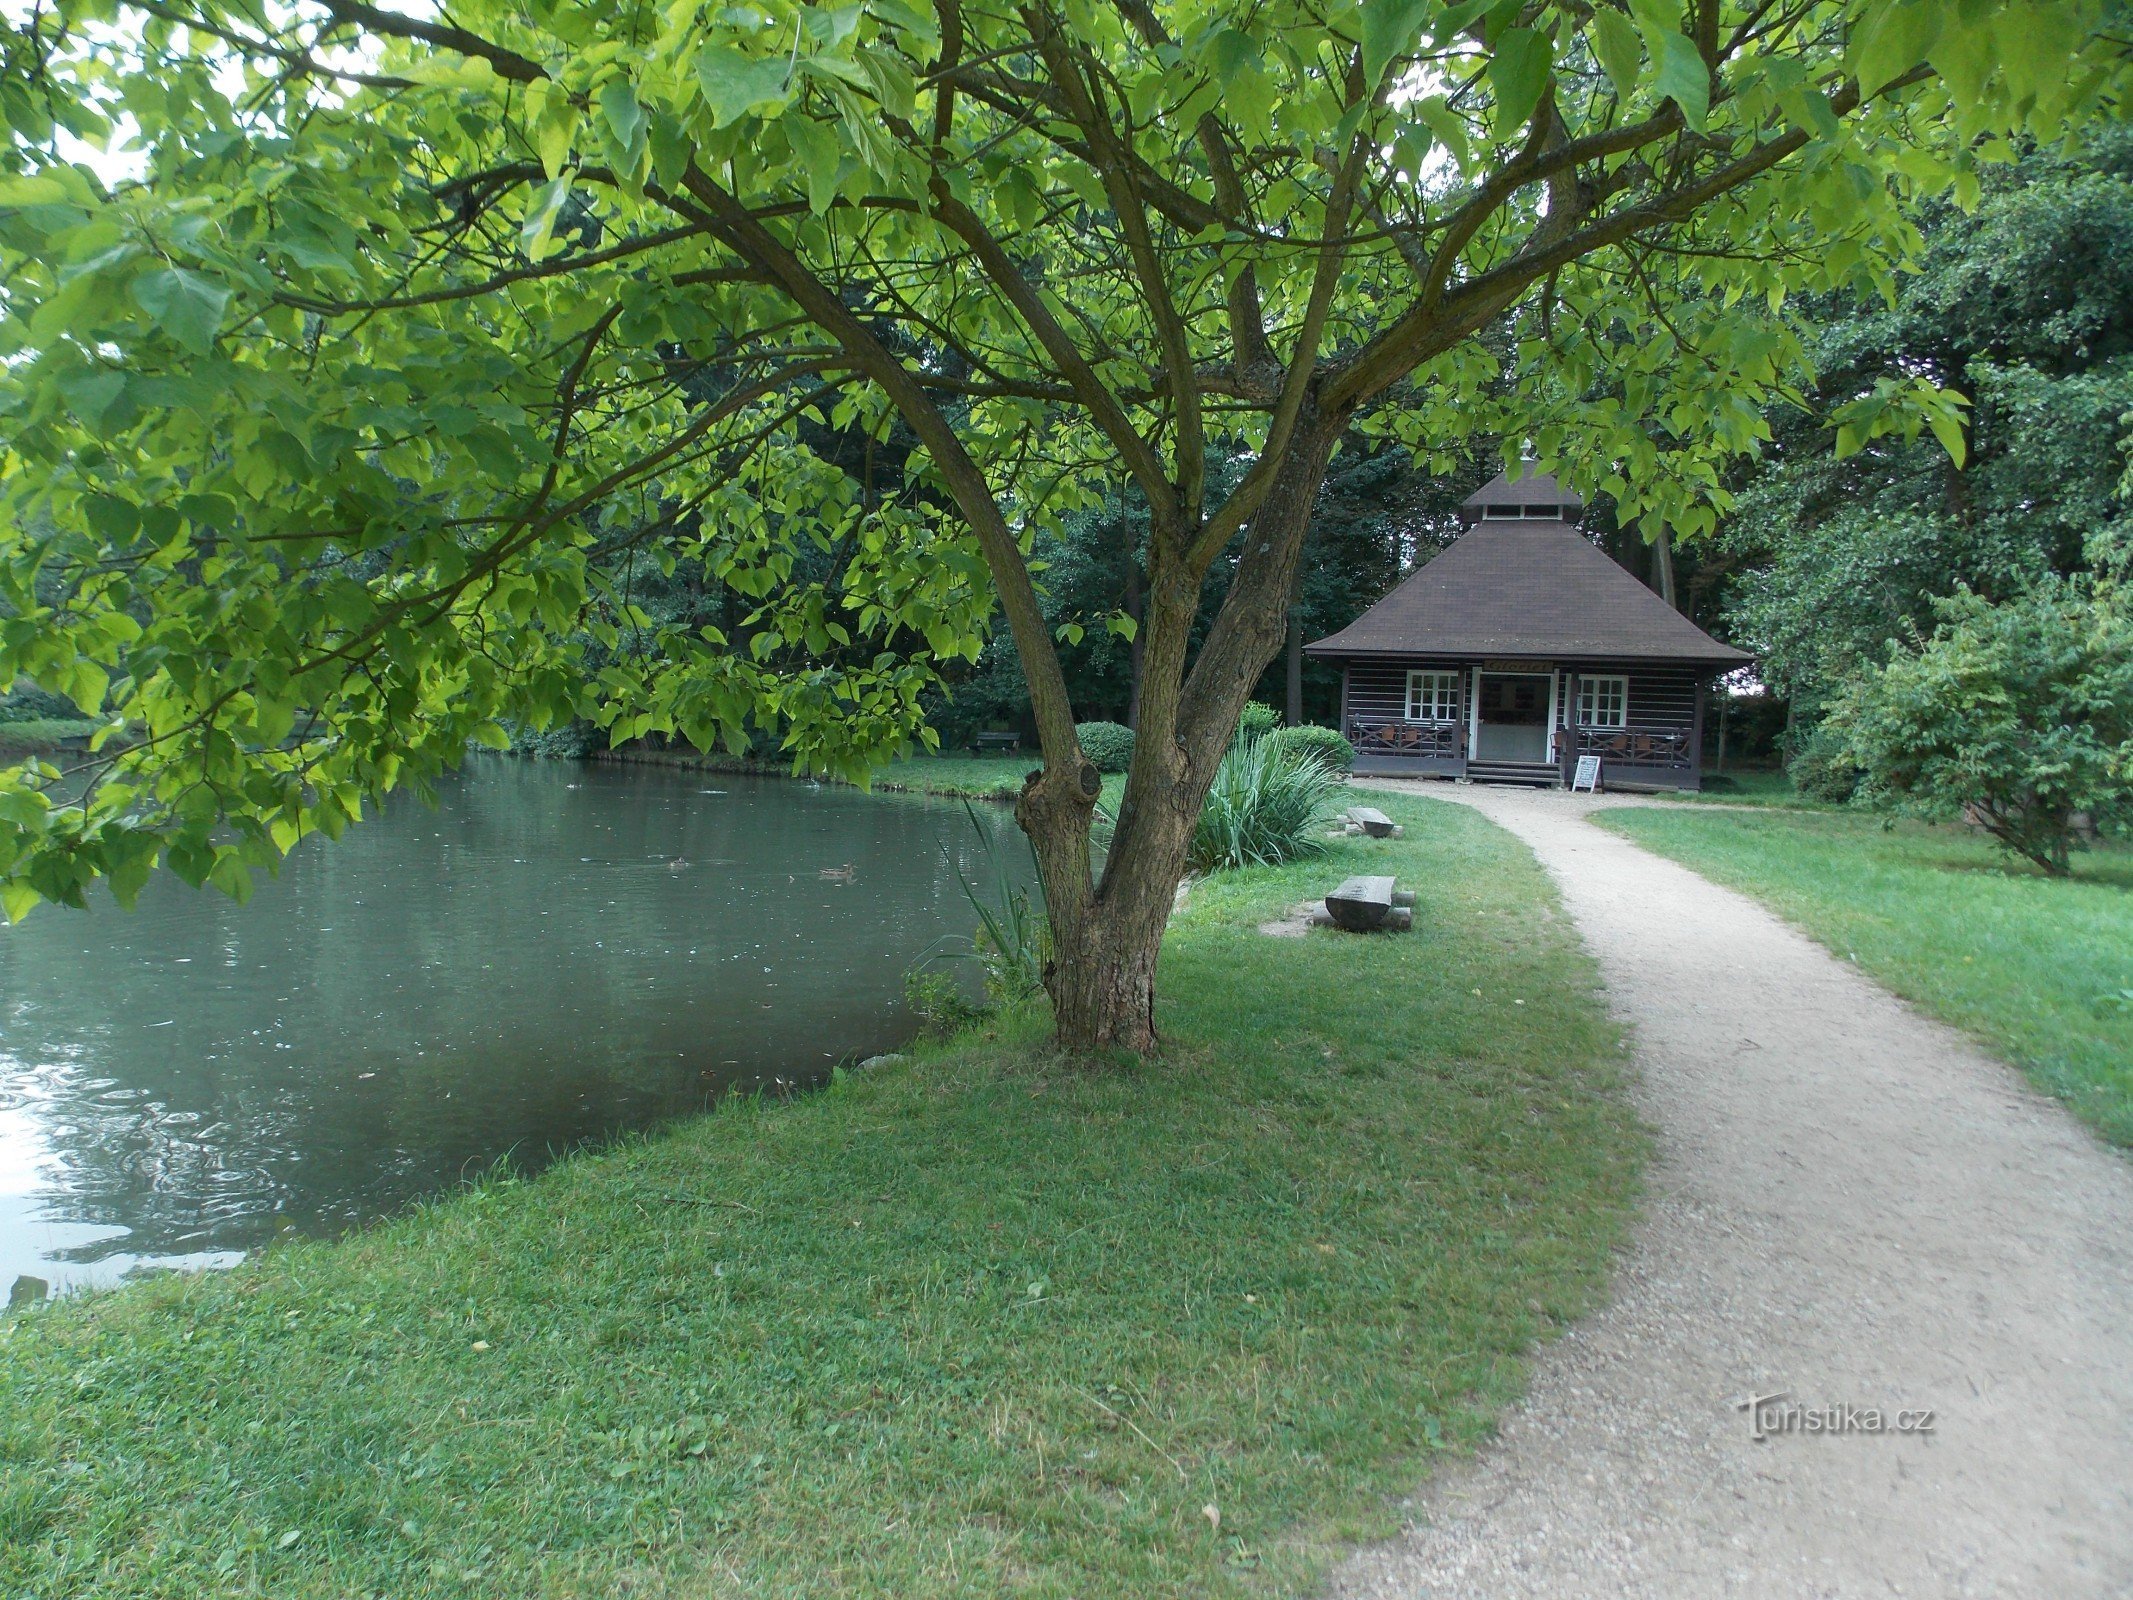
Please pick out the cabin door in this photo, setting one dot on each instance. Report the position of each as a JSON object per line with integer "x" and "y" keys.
{"x": 1511, "y": 711}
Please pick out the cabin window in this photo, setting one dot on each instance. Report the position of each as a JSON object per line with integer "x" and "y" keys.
{"x": 1603, "y": 702}
{"x": 1433, "y": 697}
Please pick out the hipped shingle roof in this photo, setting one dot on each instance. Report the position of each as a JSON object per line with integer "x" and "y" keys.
{"x": 1538, "y": 589}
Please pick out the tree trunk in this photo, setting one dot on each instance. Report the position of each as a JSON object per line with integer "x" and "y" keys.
{"x": 1106, "y": 937}
{"x": 1134, "y": 609}
{"x": 1663, "y": 568}
{"x": 1295, "y": 707}
{"x": 1102, "y": 974}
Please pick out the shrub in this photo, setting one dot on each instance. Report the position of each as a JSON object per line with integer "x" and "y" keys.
{"x": 1108, "y": 744}
{"x": 2019, "y": 714}
{"x": 1258, "y": 718}
{"x": 1822, "y": 767}
{"x": 1323, "y": 745}
{"x": 28, "y": 703}
{"x": 573, "y": 740}
{"x": 1269, "y": 803}
{"x": 938, "y": 1002}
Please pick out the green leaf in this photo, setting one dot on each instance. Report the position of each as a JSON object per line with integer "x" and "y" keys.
{"x": 735, "y": 84}
{"x": 1446, "y": 124}
{"x": 555, "y": 125}
{"x": 626, "y": 122}
{"x": 670, "y": 149}
{"x": 1893, "y": 41}
{"x": 1948, "y": 429}
{"x": 1389, "y": 29}
{"x": 1518, "y": 72}
{"x": 1232, "y": 49}
{"x": 18, "y": 900}
{"x": 537, "y": 235}
{"x": 820, "y": 156}
{"x": 184, "y": 304}
{"x": 1621, "y": 52}
{"x": 30, "y": 192}
{"x": 1682, "y": 77}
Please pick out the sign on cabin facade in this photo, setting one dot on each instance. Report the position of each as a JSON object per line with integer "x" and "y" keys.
{"x": 1520, "y": 649}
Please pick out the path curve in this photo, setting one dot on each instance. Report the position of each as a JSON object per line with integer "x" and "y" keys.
{"x": 1849, "y": 1203}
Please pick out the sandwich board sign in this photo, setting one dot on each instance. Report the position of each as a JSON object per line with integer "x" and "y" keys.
{"x": 1588, "y": 775}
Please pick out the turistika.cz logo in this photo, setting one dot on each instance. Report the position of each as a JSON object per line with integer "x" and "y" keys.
{"x": 1771, "y": 1416}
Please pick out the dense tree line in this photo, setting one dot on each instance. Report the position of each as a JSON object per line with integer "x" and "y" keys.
{"x": 2024, "y": 304}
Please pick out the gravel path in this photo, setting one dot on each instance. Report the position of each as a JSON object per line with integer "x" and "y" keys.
{"x": 1849, "y": 1204}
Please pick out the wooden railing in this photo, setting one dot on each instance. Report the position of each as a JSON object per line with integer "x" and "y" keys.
{"x": 1436, "y": 740}
{"x": 1637, "y": 747}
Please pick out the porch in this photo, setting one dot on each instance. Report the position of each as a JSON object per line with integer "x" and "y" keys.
{"x": 1525, "y": 722}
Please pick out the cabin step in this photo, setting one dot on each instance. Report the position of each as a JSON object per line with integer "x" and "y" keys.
{"x": 1537, "y": 772}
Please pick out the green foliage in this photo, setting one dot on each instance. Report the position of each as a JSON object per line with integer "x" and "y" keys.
{"x": 1108, "y": 744}
{"x": 44, "y": 733}
{"x": 362, "y": 380}
{"x": 1014, "y": 938}
{"x": 28, "y": 703}
{"x": 2022, "y": 960}
{"x": 2025, "y": 303}
{"x": 1269, "y": 803}
{"x": 937, "y": 1000}
{"x": 1822, "y": 766}
{"x": 1258, "y": 719}
{"x": 1323, "y": 745}
{"x": 725, "y": 1358}
{"x": 2018, "y": 715}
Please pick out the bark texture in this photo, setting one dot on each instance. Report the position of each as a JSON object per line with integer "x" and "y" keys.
{"x": 1107, "y": 935}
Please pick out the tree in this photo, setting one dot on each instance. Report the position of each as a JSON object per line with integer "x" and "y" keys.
{"x": 2024, "y": 302}
{"x": 2018, "y": 714}
{"x": 326, "y": 416}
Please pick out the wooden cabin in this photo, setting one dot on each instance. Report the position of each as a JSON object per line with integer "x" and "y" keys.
{"x": 1520, "y": 648}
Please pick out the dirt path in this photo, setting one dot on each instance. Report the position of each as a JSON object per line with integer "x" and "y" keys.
{"x": 1849, "y": 1204}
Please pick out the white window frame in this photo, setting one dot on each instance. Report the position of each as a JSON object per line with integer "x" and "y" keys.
{"x": 1594, "y": 711}
{"x": 1428, "y": 689}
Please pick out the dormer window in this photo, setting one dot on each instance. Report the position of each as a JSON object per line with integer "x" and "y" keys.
{"x": 1543, "y": 513}
{"x": 1500, "y": 513}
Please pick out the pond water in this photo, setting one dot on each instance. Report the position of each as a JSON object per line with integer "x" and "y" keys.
{"x": 558, "y": 952}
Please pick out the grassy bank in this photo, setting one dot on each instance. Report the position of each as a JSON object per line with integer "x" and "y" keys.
{"x": 997, "y": 778}
{"x": 35, "y": 735}
{"x": 979, "y": 1324}
{"x": 2042, "y": 971}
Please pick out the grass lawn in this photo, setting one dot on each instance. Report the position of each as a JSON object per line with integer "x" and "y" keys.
{"x": 1750, "y": 786}
{"x": 978, "y": 1324}
{"x": 2042, "y": 971}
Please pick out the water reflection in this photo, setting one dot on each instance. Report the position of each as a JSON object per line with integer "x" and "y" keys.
{"x": 556, "y": 953}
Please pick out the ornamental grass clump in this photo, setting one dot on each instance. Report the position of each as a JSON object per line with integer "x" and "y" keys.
{"x": 1270, "y": 803}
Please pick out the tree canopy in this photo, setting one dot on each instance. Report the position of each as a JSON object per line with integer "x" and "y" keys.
{"x": 346, "y": 346}
{"x": 2024, "y": 304}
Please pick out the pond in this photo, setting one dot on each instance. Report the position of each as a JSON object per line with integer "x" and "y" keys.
{"x": 557, "y": 953}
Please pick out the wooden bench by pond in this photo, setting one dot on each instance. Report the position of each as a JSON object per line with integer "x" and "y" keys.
{"x": 1366, "y": 904}
{"x": 982, "y": 742}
